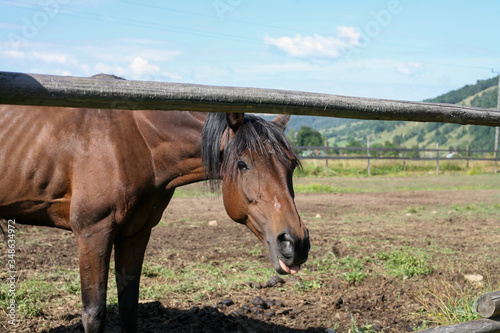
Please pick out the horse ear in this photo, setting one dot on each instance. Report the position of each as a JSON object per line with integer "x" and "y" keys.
{"x": 282, "y": 120}
{"x": 235, "y": 120}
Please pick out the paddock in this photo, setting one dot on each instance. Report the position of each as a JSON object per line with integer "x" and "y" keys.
{"x": 352, "y": 297}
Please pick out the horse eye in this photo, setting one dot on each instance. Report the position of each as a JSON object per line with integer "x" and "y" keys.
{"x": 242, "y": 165}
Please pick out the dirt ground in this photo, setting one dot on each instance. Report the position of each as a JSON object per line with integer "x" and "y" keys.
{"x": 350, "y": 224}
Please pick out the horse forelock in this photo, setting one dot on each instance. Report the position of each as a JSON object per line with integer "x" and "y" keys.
{"x": 257, "y": 135}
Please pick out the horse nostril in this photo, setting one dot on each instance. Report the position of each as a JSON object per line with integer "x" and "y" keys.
{"x": 286, "y": 244}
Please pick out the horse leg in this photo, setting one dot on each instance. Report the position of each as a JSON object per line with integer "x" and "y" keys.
{"x": 94, "y": 251}
{"x": 129, "y": 255}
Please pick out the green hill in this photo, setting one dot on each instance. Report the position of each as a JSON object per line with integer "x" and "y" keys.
{"x": 318, "y": 123}
{"x": 460, "y": 95}
{"x": 343, "y": 132}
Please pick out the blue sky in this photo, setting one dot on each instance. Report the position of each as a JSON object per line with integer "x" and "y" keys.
{"x": 397, "y": 49}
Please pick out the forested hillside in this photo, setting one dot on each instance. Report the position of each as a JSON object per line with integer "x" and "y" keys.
{"x": 461, "y": 95}
{"x": 344, "y": 132}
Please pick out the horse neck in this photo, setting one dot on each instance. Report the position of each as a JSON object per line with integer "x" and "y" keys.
{"x": 174, "y": 140}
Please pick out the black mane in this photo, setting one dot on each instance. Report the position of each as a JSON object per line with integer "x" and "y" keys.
{"x": 253, "y": 135}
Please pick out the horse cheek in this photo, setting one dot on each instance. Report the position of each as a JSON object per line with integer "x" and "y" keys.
{"x": 234, "y": 202}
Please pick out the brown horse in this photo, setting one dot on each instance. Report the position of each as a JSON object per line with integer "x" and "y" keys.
{"x": 108, "y": 175}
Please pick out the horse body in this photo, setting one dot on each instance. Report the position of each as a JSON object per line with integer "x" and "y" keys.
{"x": 108, "y": 175}
{"x": 56, "y": 162}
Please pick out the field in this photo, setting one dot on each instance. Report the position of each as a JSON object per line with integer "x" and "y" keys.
{"x": 358, "y": 168}
{"x": 389, "y": 254}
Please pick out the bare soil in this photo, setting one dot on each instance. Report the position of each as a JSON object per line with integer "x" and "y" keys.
{"x": 351, "y": 224}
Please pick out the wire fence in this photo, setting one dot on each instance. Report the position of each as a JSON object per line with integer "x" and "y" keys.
{"x": 405, "y": 154}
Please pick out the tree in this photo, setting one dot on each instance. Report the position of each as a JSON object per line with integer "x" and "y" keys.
{"x": 292, "y": 136}
{"x": 307, "y": 136}
{"x": 397, "y": 140}
{"x": 420, "y": 138}
{"x": 354, "y": 143}
{"x": 379, "y": 128}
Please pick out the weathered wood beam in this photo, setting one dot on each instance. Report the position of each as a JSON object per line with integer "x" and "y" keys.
{"x": 491, "y": 325}
{"x": 488, "y": 305}
{"x": 49, "y": 90}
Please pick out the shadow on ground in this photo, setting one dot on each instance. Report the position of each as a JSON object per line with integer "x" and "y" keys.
{"x": 154, "y": 317}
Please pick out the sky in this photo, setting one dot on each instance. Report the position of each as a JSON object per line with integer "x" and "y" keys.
{"x": 393, "y": 49}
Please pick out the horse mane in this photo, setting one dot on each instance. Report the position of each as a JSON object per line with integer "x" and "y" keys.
{"x": 253, "y": 135}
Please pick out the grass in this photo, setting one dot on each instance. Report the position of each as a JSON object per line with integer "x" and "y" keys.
{"x": 322, "y": 188}
{"x": 462, "y": 211}
{"x": 195, "y": 279}
{"x": 406, "y": 262}
{"x": 448, "y": 303}
{"x": 395, "y": 184}
{"x": 358, "y": 168}
{"x": 55, "y": 287}
{"x": 257, "y": 251}
{"x": 481, "y": 209}
{"x": 364, "y": 329}
{"x": 348, "y": 268}
{"x": 193, "y": 191}
{"x": 356, "y": 182}
{"x": 402, "y": 263}
{"x": 190, "y": 283}
{"x": 26, "y": 297}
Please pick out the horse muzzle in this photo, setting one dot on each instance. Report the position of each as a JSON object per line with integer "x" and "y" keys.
{"x": 288, "y": 252}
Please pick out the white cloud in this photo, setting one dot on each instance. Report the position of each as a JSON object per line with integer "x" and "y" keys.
{"x": 141, "y": 66}
{"x": 47, "y": 57}
{"x": 14, "y": 54}
{"x": 139, "y": 59}
{"x": 50, "y": 57}
{"x": 317, "y": 46}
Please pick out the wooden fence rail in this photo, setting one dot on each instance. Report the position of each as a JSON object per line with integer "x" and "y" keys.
{"x": 488, "y": 305}
{"x": 488, "y": 325}
{"x": 50, "y": 90}
{"x": 322, "y": 148}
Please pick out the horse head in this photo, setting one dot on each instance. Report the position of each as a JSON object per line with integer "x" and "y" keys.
{"x": 256, "y": 167}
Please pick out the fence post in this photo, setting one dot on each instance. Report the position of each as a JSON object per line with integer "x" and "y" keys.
{"x": 437, "y": 158}
{"x": 326, "y": 156}
{"x": 496, "y": 144}
{"x": 404, "y": 158}
{"x": 467, "y": 154}
{"x": 496, "y": 129}
{"x": 368, "y": 156}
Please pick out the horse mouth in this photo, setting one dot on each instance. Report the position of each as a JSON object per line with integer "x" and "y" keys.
{"x": 287, "y": 258}
{"x": 280, "y": 266}
{"x": 288, "y": 270}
